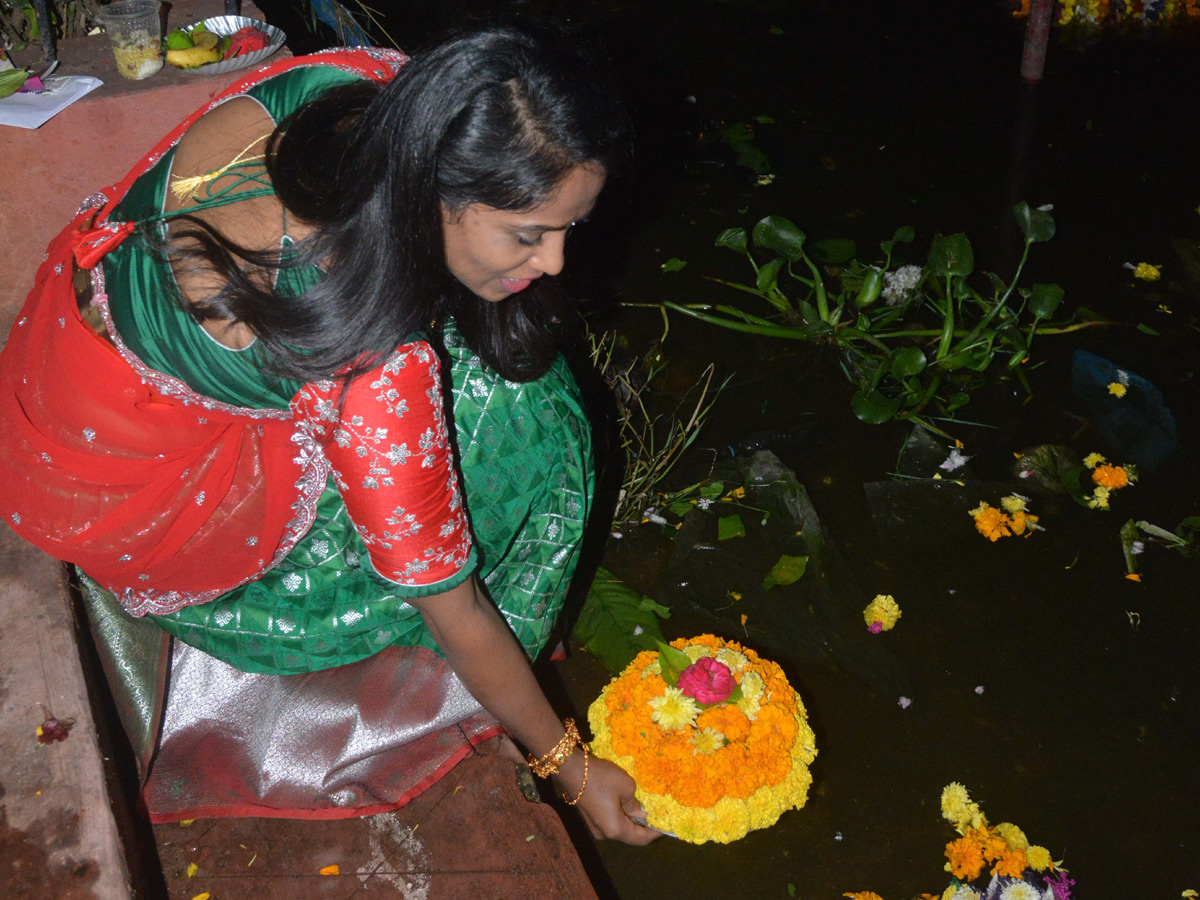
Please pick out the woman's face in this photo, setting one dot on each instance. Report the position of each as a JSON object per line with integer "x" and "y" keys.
{"x": 497, "y": 253}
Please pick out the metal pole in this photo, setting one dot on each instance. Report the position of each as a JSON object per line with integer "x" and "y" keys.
{"x": 49, "y": 50}
{"x": 1037, "y": 35}
{"x": 232, "y": 8}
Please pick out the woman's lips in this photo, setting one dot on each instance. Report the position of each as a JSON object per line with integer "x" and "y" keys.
{"x": 515, "y": 285}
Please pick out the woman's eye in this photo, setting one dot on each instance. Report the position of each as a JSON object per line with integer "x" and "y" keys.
{"x": 527, "y": 241}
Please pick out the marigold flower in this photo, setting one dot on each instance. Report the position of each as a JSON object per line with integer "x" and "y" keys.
{"x": 1039, "y": 858}
{"x": 992, "y": 523}
{"x": 1011, "y": 863}
{"x": 673, "y": 709}
{"x": 1117, "y": 389}
{"x": 1092, "y": 460}
{"x": 1013, "y": 836}
{"x": 882, "y": 610}
{"x": 1113, "y": 477}
{"x": 965, "y": 859}
{"x": 863, "y": 895}
{"x": 1024, "y": 523}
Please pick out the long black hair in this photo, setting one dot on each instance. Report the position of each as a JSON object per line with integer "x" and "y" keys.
{"x": 497, "y": 116}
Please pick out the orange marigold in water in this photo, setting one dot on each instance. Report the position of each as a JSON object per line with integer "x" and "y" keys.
{"x": 1110, "y": 476}
{"x": 992, "y": 523}
{"x": 966, "y": 859}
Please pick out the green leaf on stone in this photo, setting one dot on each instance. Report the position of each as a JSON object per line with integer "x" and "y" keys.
{"x": 674, "y": 264}
{"x": 617, "y": 623}
{"x": 788, "y": 570}
{"x": 781, "y": 235}
{"x": 730, "y": 527}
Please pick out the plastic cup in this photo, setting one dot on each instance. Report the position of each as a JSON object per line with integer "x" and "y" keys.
{"x": 134, "y": 28}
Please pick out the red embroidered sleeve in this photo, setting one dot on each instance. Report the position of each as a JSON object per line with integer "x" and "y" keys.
{"x": 392, "y": 461}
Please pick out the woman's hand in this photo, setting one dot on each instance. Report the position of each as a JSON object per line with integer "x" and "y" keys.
{"x": 608, "y": 804}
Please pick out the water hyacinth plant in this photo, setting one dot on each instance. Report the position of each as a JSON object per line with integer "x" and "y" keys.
{"x": 911, "y": 338}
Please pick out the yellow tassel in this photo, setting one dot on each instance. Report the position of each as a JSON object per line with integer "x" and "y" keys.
{"x": 183, "y": 188}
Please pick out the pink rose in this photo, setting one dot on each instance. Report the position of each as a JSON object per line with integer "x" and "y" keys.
{"x": 707, "y": 681}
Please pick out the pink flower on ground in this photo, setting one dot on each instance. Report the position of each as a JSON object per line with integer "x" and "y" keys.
{"x": 707, "y": 681}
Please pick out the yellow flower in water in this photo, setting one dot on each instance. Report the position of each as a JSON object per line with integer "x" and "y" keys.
{"x": 1013, "y": 836}
{"x": 1117, "y": 389}
{"x": 992, "y": 523}
{"x": 1092, "y": 460}
{"x": 1039, "y": 858}
{"x": 674, "y": 709}
{"x": 1112, "y": 477}
{"x": 707, "y": 741}
{"x": 1099, "y": 498}
{"x": 1014, "y": 503}
{"x": 1024, "y": 523}
{"x": 863, "y": 895}
{"x": 1147, "y": 272}
{"x": 884, "y": 610}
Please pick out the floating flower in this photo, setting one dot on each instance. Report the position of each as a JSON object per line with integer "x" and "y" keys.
{"x": 1145, "y": 271}
{"x": 1099, "y": 498}
{"x": 882, "y": 613}
{"x": 1092, "y": 460}
{"x": 1112, "y": 477}
{"x": 1117, "y": 389}
{"x": 955, "y": 460}
{"x": 992, "y": 523}
{"x": 673, "y": 709}
{"x": 1014, "y": 503}
{"x": 1039, "y": 858}
{"x": 863, "y": 895}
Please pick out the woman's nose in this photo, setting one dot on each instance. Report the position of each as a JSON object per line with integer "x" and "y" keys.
{"x": 551, "y": 255}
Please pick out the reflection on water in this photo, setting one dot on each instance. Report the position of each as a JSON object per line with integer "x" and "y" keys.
{"x": 1061, "y": 694}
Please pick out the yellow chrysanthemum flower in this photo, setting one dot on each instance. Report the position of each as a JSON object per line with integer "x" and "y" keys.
{"x": 695, "y": 653}
{"x": 1117, "y": 389}
{"x": 1099, "y": 498}
{"x": 1147, "y": 272}
{"x": 863, "y": 895}
{"x": 1039, "y": 858}
{"x": 731, "y": 659}
{"x": 884, "y": 610}
{"x": 707, "y": 740}
{"x": 1092, "y": 460}
{"x": 957, "y": 807}
{"x": 960, "y": 892}
{"x": 674, "y": 709}
{"x": 1014, "y": 503}
{"x": 1013, "y": 836}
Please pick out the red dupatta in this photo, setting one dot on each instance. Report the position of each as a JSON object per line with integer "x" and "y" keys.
{"x": 165, "y": 497}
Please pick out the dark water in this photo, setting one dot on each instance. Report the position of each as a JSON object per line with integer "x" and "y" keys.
{"x": 888, "y": 114}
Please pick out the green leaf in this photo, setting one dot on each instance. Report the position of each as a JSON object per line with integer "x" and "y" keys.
{"x": 1044, "y": 300}
{"x": 671, "y": 661}
{"x": 768, "y": 275}
{"x": 834, "y": 251}
{"x": 951, "y": 254}
{"x": 775, "y": 30}
{"x": 1146, "y": 329}
{"x": 904, "y": 234}
{"x": 733, "y": 238}
{"x": 1037, "y": 225}
{"x": 712, "y": 490}
{"x": 674, "y": 264}
{"x": 611, "y": 615}
{"x": 909, "y": 361}
{"x": 874, "y": 407}
{"x": 680, "y": 508}
{"x": 781, "y": 235}
{"x": 730, "y": 527}
{"x": 787, "y": 571}
{"x": 11, "y": 81}
{"x": 791, "y": 889}
{"x": 764, "y": 120}
{"x": 957, "y": 401}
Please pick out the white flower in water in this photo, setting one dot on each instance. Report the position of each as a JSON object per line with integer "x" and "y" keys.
{"x": 704, "y": 503}
{"x": 955, "y": 460}
{"x": 638, "y": 629}
{"x": 899, "y": 284}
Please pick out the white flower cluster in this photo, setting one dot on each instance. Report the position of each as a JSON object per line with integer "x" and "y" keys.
{"x": 898, "y": 285}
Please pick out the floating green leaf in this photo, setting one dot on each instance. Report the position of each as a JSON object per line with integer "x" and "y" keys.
{"x": 951, "y": 254}
{"x": 834, "y": 251}
{"x": 730, "y": 527}
{"x": 788, "y": 570}
{"x": 909, "y": 361}
{"x": 617, "y": 623}
{"x": 874, "y": 407}
{"x": 733, "y": 238}
{"x": 1044, "y": 299}
{"x": 674, "y": 264}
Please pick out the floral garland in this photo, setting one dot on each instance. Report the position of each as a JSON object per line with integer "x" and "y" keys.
{"x": 1095, "y": 13}
{"x": 714, "y": 736}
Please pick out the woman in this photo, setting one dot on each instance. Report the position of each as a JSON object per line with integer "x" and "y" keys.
{"x": 232, "y": 420}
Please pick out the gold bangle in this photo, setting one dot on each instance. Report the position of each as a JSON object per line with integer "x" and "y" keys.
{"x": 579, "y": 796}
{"x": 552, "y": 761}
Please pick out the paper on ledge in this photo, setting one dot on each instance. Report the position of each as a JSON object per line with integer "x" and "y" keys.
{"x": 34, "y": 110}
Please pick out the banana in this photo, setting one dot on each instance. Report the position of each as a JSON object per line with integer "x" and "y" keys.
{"x": 206, "y": 39}
{"x": 192, "y": 57}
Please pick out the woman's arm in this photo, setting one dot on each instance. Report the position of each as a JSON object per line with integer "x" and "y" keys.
{"x": 487, "y": 658}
